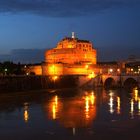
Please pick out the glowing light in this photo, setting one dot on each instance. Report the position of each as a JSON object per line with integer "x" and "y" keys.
{"x": 132, "y": 70}
{"x": 56, "y": 99}
{"x": 26, "y": 113}
{"x": 86, "y": 66}
{"x": 54, "y": 78}
{"x": 118, "y": 105}
{"x": 5, "y": 70}
{"x": 54, "y": 111}
{"x": 73, "y": 35}
{"x": 139, "y": 105}
{"x": 132, "y": 108}
{"x": 70, "y": 46}
{"x": 55, "y": 107}
{"x": 136, "y": 94}
{"x": 110, "y": 70}
{"x": 73, "y": 131}
{"x": 87, "y": 104}
{"x": 118, "y": 70}
{"x": 52, "y": 69}
{"x": 91, "y": 75}
{"x": 92, "y": 98}
{"x": 111, "y": 110}
{"x": 87, "y": 107}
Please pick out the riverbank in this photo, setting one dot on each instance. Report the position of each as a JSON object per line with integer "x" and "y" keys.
{"x": 31, "y": 83}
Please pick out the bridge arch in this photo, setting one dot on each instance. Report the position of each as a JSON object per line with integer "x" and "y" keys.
{"x": 109, "y": 82}
{"x": 130, "y": 83}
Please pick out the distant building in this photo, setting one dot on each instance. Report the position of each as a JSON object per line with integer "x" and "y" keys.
{"x": 35, "y": 69}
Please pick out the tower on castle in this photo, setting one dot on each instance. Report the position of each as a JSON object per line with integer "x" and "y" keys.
{"x": 73, "y": 35}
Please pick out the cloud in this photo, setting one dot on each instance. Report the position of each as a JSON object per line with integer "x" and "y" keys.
{"x": 61, "y": 8}
{"x": 27, "y": 55}
{"x": 24, "y": 56}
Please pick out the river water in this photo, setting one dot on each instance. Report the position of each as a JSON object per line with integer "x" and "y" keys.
{"x": 70, "y": 114}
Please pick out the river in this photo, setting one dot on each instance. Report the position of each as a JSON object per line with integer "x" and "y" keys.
{"x": 70, "y": 114}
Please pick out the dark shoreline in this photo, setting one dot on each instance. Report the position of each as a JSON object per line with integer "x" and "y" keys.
{"x": 11, "y": 84}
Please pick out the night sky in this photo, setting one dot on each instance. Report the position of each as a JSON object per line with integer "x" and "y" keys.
{"x": 28, "y": 27}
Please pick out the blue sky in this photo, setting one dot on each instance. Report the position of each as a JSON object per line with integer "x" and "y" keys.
{"x": 35, "y": 25}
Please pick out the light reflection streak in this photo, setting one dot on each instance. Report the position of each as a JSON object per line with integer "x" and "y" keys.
{"x": 26, "y": 112}
{"x": 54, "y": 112}
{"x": 111, "y": 110}
{"x": 118, "y": 105}
{"x": 132, "y": 108}
{"x": 72, "y": 112}
{"x": 92, "y": 98}
{"x": 54, "y": 107}
{"x": 136, "y": 95}
{"x": 89, "y": 103}
{"x": 87, "y": 107}
{"x": 139, "y": 106}
{"x": 73, "y": 131}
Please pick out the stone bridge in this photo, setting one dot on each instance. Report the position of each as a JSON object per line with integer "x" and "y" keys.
{"x": 122, "y": 80}
{"x": 111, "y": 80}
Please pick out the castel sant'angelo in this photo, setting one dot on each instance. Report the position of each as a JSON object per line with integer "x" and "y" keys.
{"x": 71, "y": 56}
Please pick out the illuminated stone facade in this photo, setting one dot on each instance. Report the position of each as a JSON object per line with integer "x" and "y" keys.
{"x": 72, "y": 51}
{"x": 70, "y": 57}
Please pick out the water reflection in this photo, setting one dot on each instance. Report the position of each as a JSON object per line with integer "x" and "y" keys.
{"x": 118, "y": 105}
{"x": 139, "y": 106}
{"x": 78, "y": 110}
{"x": 72, "y": 112}
{"x": 111, "y": 110}
{"x": 26, "y": 112}
{"x": 81, "y": 109}
{"x": 136, "y": 94}
{"x": 73, "y": 131}
{"x": 54, "y": 107}
{"x": 132, "y": 108}
{"x": 89, "y": 104}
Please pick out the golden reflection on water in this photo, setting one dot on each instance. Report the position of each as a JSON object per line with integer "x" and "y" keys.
{"x": 89, "y": 104}
{"x": 132, "y": 108}
{"x": 114, "y": 103}
{"x": 139, "y": 106}
{"x": 72, "y": 112}
{"x": 92, "y": 98}
{"x": 26, "y": 112}
{"x": 111, "y": 110}
{"x": 87, "y": 107}
{"x": 118, "y": 105}
{"x": 135, "y": 103}
{"x": 136, "y": 94}
{"x": 54, "y": 107}
{"x": 81, "y": 110}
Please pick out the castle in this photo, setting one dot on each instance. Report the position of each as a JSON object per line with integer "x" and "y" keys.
{"x": 71, "y": 56}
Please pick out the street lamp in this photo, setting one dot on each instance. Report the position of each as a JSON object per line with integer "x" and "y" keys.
{"x": 110, "y": 71}
{"x": 5, "y": 71}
